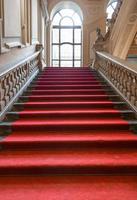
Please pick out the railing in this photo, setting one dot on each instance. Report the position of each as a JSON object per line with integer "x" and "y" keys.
{"x": 121, "y": 74}
{"x": 15, "y": 80}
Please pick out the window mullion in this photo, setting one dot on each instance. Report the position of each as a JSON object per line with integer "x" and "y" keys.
{"x": 73, "y": 47}
{"x": 59, "y": 47}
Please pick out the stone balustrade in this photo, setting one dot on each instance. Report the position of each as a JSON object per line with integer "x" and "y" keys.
{"x": 14, "y": 80}
{"x": 121, "y": 74}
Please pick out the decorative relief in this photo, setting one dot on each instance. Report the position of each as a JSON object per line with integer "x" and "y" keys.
{"x": 133, "y": 18}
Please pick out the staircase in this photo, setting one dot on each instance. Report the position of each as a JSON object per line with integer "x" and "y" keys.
{"x": 69, "y": 137}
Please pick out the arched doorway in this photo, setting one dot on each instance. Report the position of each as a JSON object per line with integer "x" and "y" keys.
{"x": 66, "y": 38}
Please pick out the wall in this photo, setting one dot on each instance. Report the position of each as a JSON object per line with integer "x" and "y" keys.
{"x": 124, "y": 29}
{"x": 34, "y": 14}
{"x": 12, "y": 20}
{"x": 93, "y": 17}
{"x": 21, "y": 21}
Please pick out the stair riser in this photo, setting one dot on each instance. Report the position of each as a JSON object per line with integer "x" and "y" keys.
{"x": 40, "y": 99}
{"x": 72, "y": 92}
{"x": 43, "y": 91}
{"x": 70, "y": 72}
{"x": 56, "y": 80}
{"x": 65, "y": 82}
{"x": 68, "y": 107}
{"x": 67, "y": 73}
{"x": 96, "y": 170}
{"x": 44, "y": 82}
{"x": 92, "y": 87}
{"x": 62, "y": 87}
{"x": 69, "y": 78}
{"x": 66, "y": 144}
{"x": 86, "y": 74}
{"x": 71, "y": 75}
{"x": 67, "y": 116}
{"x": 70, "y": 127}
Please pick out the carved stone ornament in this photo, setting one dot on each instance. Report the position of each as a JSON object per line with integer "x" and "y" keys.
{"x": 133, "y": 18}
{"x": 99, "y": 43}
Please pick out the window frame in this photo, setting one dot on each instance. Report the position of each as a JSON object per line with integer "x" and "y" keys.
{"x": 73, "y": 43}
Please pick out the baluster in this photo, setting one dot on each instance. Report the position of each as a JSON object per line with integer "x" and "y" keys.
{"x": 124, "y": 82}
{"x": 129, "y": 82}
{"x": 114, "y": 69}
{"x": 6, "y": 87}
{"x": 2, "y": 91}
{"x": 121, "y": 80}
{"x": 133, "y": 89}
{"x": 118, "y": 77}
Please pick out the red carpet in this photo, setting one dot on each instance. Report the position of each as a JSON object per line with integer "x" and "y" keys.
{"x": 69, "y": 188}
{"x": 69, "y": 141}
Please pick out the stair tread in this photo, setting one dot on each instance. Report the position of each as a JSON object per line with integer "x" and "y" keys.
{"x": 68, "y": 187}
{"x": 66, "y": 157}
{"x": 45, "y": 137}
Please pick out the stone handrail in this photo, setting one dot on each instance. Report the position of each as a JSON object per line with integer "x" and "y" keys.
{"x": 14, "y": 80}
{"x": 121, "y": 74}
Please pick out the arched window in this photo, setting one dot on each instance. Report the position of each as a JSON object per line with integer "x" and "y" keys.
{"x": 111, "y": 7}
{"x": 66, "y": 39}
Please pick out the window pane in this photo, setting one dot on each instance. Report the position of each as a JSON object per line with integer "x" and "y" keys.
{"x": 114, "y": 4}
{"x": 77, "y": 52}
{"x": 56, "y": 19}
{"x": 66, "y": 12}
{"x": 66, "y": 35}
{"x": 77, "y": 35}
{"x": 66, "y": 22}
{"x": 55, "y": 52}
{"x": 66, "y": 52}
{"x": 66, "y": 64}
{"x": 55, "y": 63}
{"x": 77, "y": 63}
{"x": 55, "y": 36}
{"x": 77, "y": 19}
{"x": 110, "y": 11}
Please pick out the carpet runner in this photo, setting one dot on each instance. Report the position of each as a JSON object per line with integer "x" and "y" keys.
{"x": 68, "y": 138}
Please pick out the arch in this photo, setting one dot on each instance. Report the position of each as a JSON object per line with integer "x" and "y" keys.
{"x": 66, "y": 5}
